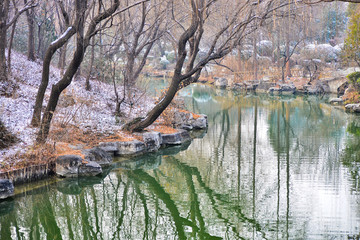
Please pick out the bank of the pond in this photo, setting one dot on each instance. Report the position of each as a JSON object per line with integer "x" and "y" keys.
{"x": 84, "y": 131}
{"x": 90, "y": 161}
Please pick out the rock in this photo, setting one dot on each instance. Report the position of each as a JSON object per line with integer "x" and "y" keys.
{"x": 200, "y": 123}
{"x": 6, "y": 188}
{"x": 274, "y": 90}
{"x": 68, "y": 165}
{"x": 264, "y": 86}
{"x": 152, "y": 141}
{"x": 355, "y": 108}
{"x": 130, "y": 148}
{"x": 89, "y": 169}
{"x": 237, "y": 86}
{"x": 221, "y": 82}
{"x": 175, "y": 138}
{"x": 186, "y": 121}
{"x": 109, "y": 147}
{"x": 99, "y": 156}
{"x": 287, "y": 89}
{"x": 313, "y": 89}
{"x": 336, "y": 101}
{"x": 181, "y": 117}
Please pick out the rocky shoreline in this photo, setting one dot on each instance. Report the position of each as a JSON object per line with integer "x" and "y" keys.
{"x": 92, "y": 161}
{"x": 285, "y": 89}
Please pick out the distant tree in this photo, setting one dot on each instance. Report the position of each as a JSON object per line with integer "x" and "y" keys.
{"x": 352, "y": 42}
{"x": 5, "y": 23}
{"x": 30, "y": 16}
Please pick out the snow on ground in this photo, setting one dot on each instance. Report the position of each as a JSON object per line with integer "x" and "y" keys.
{"x": 89, "y": 110}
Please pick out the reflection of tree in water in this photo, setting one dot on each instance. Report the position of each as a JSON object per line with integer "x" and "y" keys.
{"x": 131, "y": 205}
{"x": 351, "y": 154}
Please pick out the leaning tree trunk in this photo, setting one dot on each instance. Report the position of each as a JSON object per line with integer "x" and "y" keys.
{"x": 157, "y": 110}
{"x": 45, "y": 73}
{"x": 58, "y": 88}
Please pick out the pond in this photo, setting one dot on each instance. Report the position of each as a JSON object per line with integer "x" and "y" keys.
{"x": 267, "y": 168}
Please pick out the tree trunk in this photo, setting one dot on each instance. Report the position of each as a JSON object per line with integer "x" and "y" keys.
{"x": 87, "y": 83}
{"x": 157, "y": 110}
{"x": 45, "y": 74}
{"x": 10, "y": 46}
{"x": 40, "y": 42}
{"x": 255, "y": 62}
{"x": 31, "y": 37}
{"x": 4, "y": 9}
{"x": 59, "y": 87}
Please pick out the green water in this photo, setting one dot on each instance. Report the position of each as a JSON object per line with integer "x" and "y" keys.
{"x": 267, "y": 168}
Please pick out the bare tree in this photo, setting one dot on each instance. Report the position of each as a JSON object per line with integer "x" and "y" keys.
{"x": 234, "y": 27}
{"x": 140, "y": 28}
{"x": 55, "y": 45}
{"x": 5, "y": 23}
{"x": 82, "y": 42}
{"x": 30, "y": 16}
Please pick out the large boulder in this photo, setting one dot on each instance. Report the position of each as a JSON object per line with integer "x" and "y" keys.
{"x": 89, "y": 169}
{"x": 264, "y": 86}
{"x": 68, "y": 165}
{"x": 287, "y": 89}
{"x": 99, "y": 156}
{"x": 6, "y": 188}
{"x": 134, "y": 147}
{"x": 152, "y": 141}
{"x": 354, "y": 108}
{"x": 336, "y": 101}
{"x": 186, "y": 121}
{"x": 181, "y": 136}
{"x": 200, "y": 122}
{"x": 75, "y": 166}
{"x": 109, "y": 147}
{"x": 221, "y": 82}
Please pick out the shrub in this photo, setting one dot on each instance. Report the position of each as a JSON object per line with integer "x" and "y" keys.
{"x": 354, "y": 79}
{"x": 6, "y": 138}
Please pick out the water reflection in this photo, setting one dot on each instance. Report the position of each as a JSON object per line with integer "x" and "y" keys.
{"x": 267, "y": 168}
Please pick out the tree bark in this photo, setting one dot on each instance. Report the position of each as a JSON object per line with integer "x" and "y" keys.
{"x": 4, "y": 10}
{"x": 45, "y": 73}
{"x": 30, "y": 16}
{"x": 87, "y": 82}
{"x": 81, "y": 44}
{"x": 10, "y": 46}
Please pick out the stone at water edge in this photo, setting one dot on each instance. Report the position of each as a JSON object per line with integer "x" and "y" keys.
{"x": 6, "y": 188}
{"x": 89, "y": 169}
{"x": 336, "y": 101}
{"x": 201, "y": 122}
{"x": 152, "y": 141}
{"x": 287, "y": 88}
{"x": 109, "y": 147}
{"x": 221, "y": 82}
{"x": 98, "y": 155}
{"x": 133, "y": 147}
{"x": 68, "y": 165}
{"x": 353, "y": 108}
{"x": 179, "y": 137}
{"x": 274, "y": 91}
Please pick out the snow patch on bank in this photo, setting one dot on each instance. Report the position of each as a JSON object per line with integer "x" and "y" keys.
{"x": 89, "y": 110}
